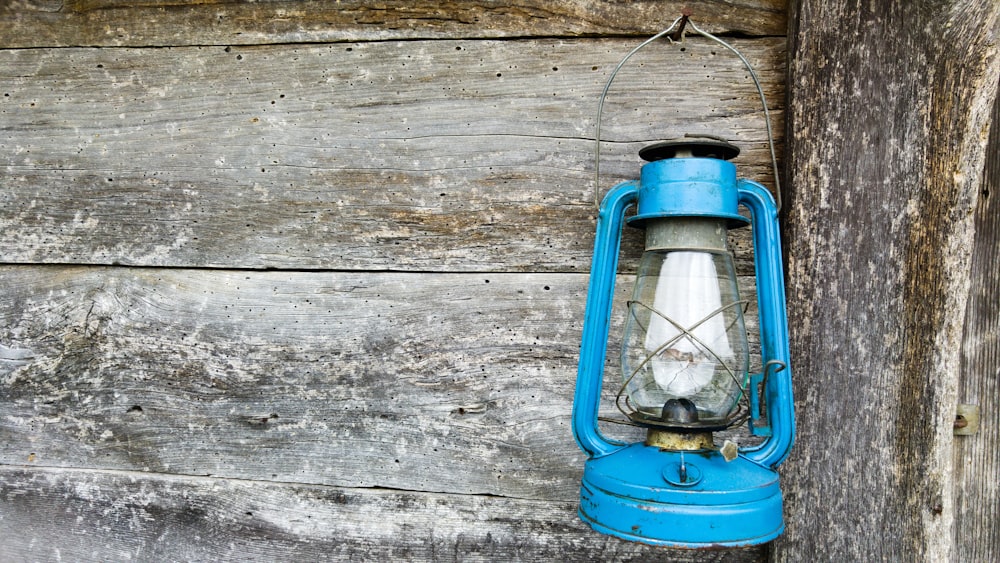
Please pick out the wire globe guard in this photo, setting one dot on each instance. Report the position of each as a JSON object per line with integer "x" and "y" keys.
{"x": 628, "y": 490}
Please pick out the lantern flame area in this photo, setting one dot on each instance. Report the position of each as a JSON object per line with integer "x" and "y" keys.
{"x": 685, "y": 339}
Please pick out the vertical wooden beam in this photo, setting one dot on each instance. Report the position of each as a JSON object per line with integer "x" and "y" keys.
{"x": 887, "y": 122}
{"x": 977, "y": 457}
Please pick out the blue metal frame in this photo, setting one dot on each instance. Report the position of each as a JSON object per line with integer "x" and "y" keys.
{"x": 626, "y": 491}
{"x": 773, "y": 320}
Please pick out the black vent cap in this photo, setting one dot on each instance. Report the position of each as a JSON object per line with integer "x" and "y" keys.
{"x": 697, "y": 146}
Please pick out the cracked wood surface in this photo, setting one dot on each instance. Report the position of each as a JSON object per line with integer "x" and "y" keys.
{"x": 454, "y": 383}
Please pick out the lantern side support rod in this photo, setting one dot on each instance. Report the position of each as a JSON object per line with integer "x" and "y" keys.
{"x": 686, "y": 20}
{"x": 773, "y": 325}
{"x": 596, "y": 322}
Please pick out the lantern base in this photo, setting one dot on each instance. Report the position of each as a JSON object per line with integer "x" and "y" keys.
{"x": 691, "y": 499}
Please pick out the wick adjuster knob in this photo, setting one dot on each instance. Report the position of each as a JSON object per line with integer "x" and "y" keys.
{"x": 682, "y": 474}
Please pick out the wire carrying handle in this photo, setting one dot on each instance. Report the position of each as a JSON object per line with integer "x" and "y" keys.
{"x": 684, "y": 21}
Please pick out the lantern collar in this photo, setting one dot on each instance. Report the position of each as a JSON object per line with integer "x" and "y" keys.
{"x": 689, "y": 177}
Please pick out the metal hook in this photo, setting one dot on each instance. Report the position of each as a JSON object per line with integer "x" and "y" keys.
{"x": 678, "y": 36}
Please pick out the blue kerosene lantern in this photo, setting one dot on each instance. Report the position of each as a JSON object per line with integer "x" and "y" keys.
{"x": 684, "y": 359}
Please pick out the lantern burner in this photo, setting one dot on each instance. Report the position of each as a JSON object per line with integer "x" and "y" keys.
{"x": 696, "y": 146}
{"x": 681, "y": 410}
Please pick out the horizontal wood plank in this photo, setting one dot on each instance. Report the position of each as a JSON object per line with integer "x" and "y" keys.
{"x": 49, "y": 23}
{"x": 48, "y": 514}
{"x": 424, "y": 156}
{"x": 457, "y": 383}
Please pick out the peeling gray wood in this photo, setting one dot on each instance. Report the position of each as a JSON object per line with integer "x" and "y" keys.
{"x": 458, "y": 383}
{"x": 977, "y": 458}
{"x": 112, "y": 516}
{"x": 888, "y": 114}
{"x": 48, "y": 23}
{"x": 429, "y": 156}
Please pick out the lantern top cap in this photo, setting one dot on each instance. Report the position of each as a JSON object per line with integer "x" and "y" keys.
{"x": 697, "y": 146}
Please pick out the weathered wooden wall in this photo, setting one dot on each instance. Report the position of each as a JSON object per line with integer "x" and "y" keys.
{"x": 306, "y": 279}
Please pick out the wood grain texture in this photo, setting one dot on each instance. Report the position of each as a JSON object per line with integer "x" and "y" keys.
{"x": 888, "y": 114}
{"x": 420, "y": 382}
{"x": 51, "y": 23}
{"x": 977, "y": 459}
{"x": 456, "y": 383}
{"x": 423, "y": 156}
{"x": 77, "y": 515}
